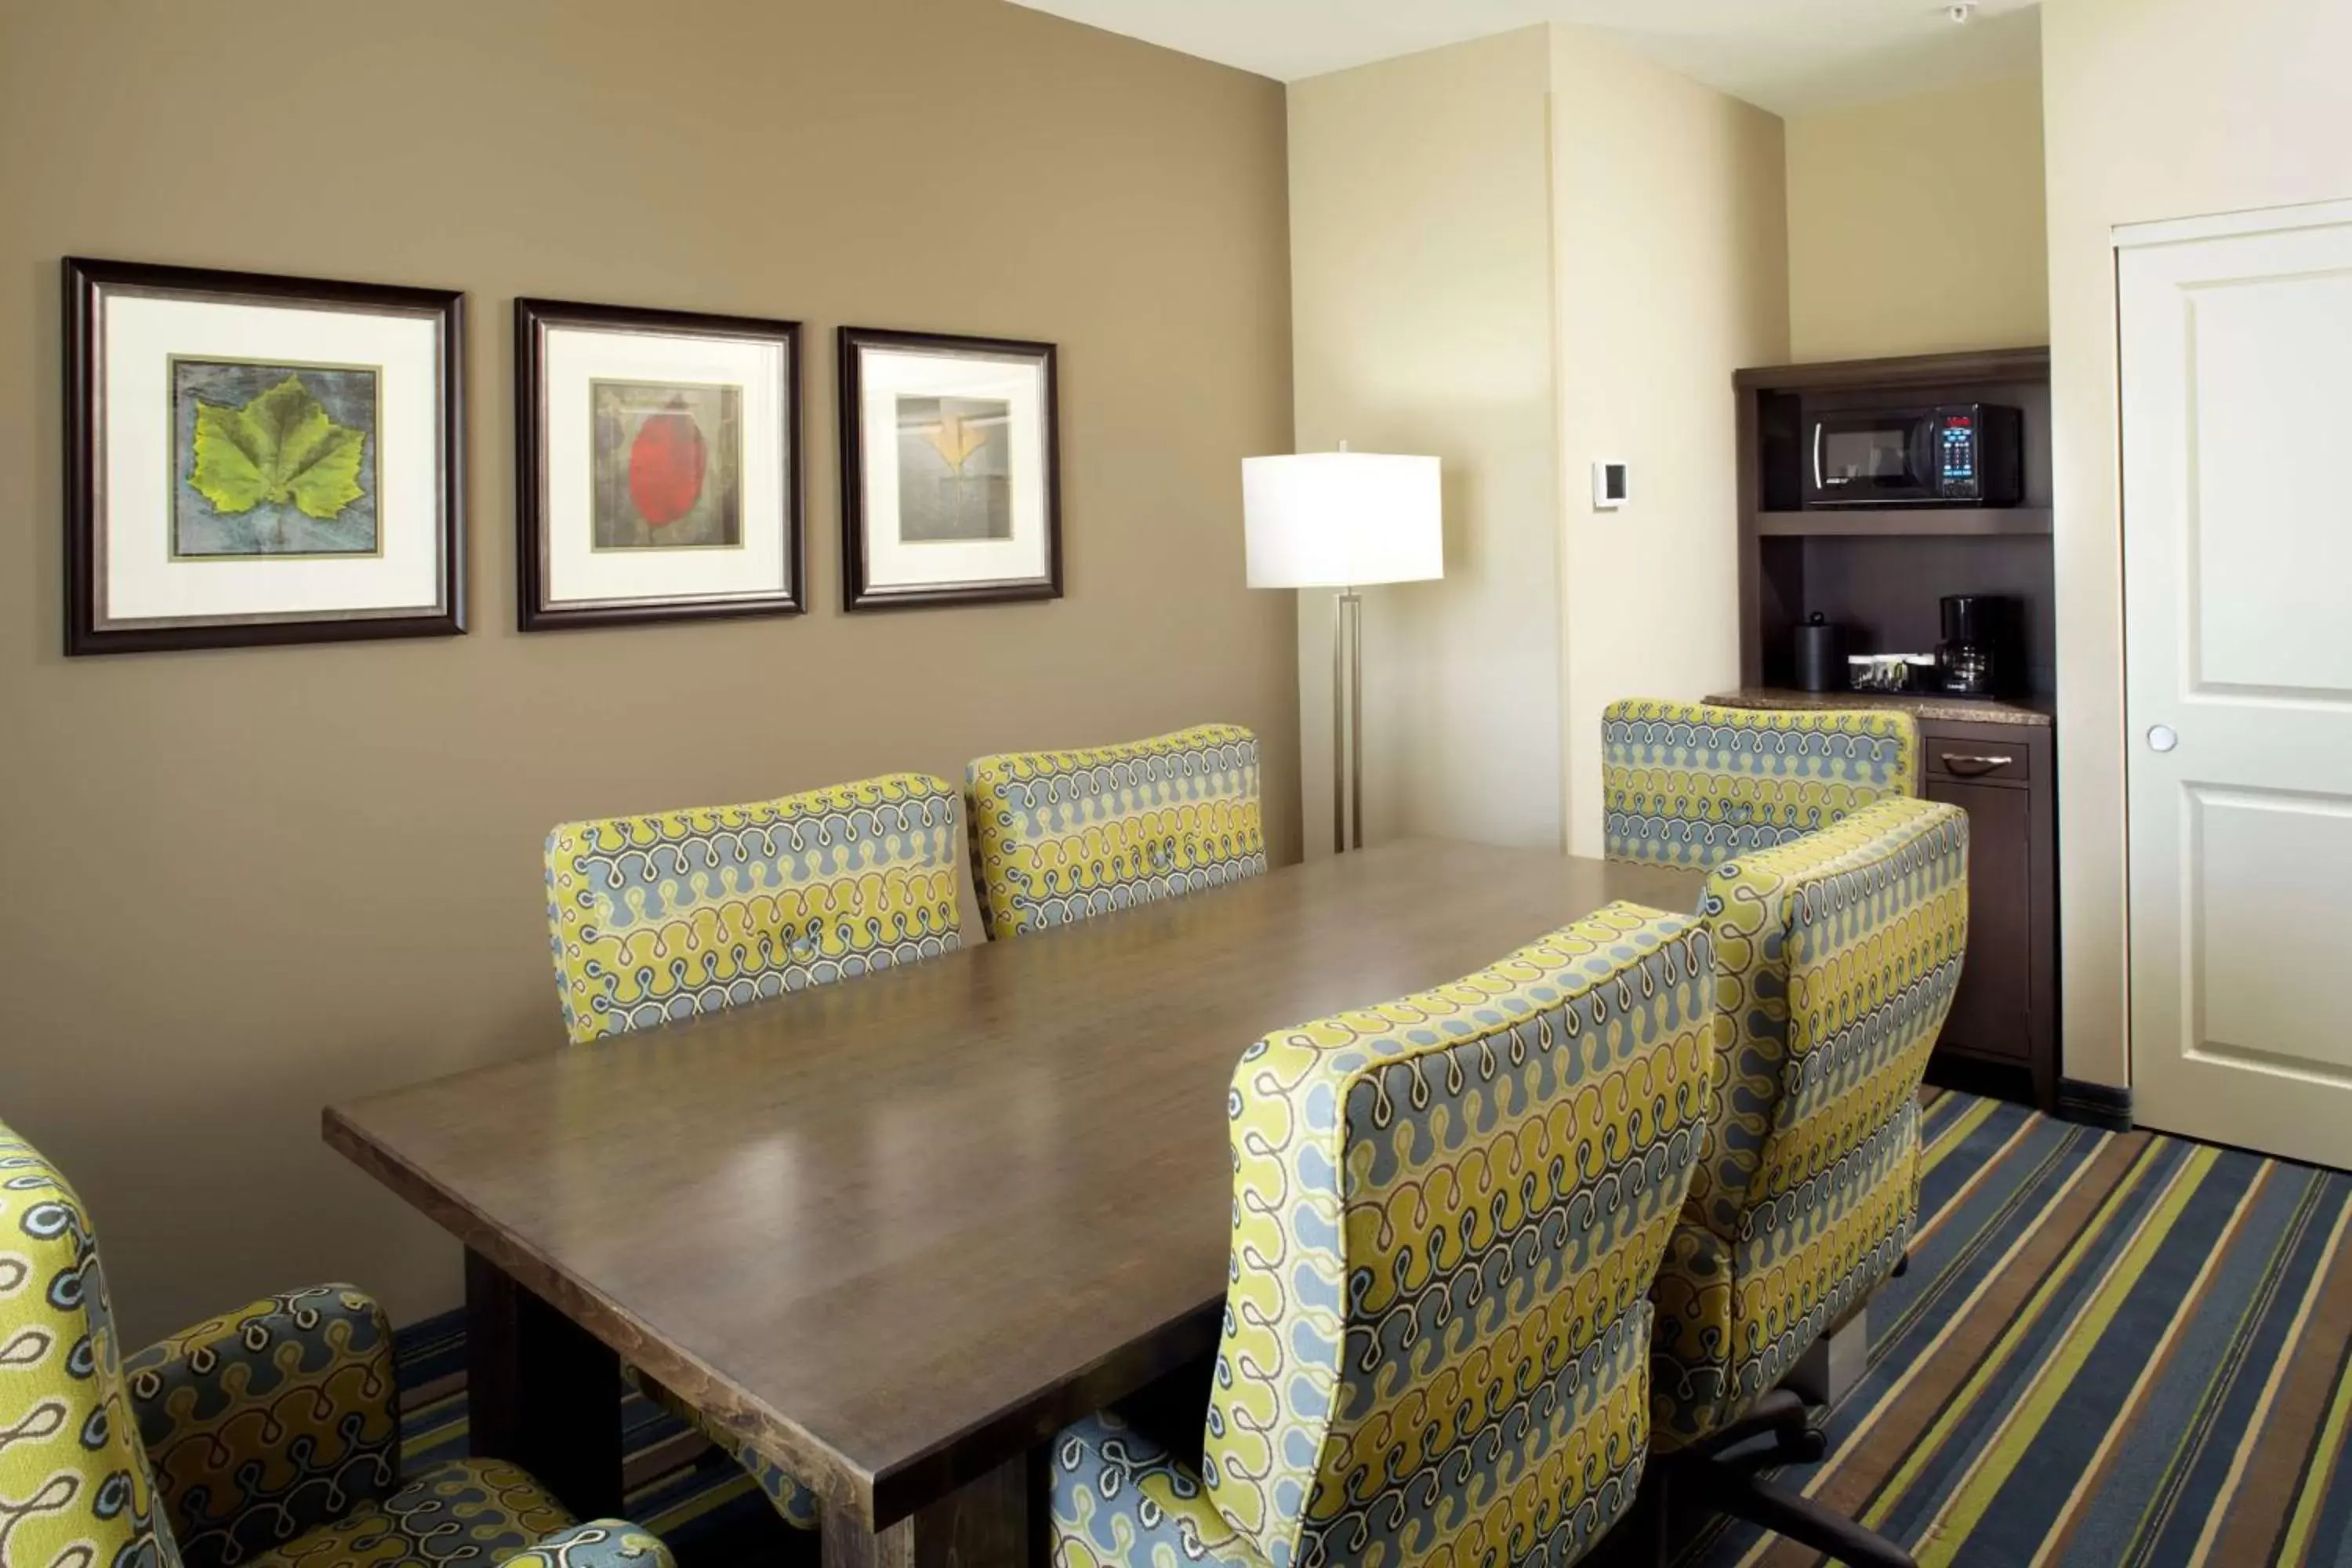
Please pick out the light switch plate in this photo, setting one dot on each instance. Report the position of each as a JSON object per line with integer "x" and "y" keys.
{"x": 1610, "y": 481}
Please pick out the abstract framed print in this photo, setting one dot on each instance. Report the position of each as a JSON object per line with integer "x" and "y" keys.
{"x": 657, "y": 465}
{"x": 258, "y": 459}
{"x": 951, "y": 483}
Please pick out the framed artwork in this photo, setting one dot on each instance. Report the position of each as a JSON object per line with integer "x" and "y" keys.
{"x": 951, "y": 483}
{"x": 657, "y": 465}
{"x": 259, "y": 459}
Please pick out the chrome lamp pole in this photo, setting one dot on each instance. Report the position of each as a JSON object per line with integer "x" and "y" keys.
{"x": 1347, "y": 721}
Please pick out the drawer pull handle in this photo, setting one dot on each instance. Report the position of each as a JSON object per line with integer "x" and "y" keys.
{"x": 1968, "y": 767}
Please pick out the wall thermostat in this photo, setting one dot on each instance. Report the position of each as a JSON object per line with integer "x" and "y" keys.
{"x": 1608, "y": 486}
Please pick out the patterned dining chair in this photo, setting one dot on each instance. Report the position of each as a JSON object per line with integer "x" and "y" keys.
{"x": 665, "y": 916}
{"x": 1689, "y": 784}
{"x": 266, "y": 1439}
{"x": 1836, "y": 956}
{"x": 1447, "y": 1211}
{"x": 1058, "y": 836}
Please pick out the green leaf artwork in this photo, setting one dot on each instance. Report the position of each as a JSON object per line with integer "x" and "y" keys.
{"x": 280, "y": 449}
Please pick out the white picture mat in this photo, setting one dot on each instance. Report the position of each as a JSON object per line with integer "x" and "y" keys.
{"x": 577, "y": 573}
{"x": 138, "y": 578}
{"x": 885, "y": 374}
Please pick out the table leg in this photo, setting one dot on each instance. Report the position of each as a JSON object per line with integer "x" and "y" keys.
{"x": 541, "y": 1392}
{"x": 981, "y": 1524}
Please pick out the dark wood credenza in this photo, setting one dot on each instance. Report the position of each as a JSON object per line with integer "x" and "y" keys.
{"x": 1995, "y": 761}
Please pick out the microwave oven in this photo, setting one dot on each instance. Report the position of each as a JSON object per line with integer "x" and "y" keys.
{"x": 1960, "y": 453}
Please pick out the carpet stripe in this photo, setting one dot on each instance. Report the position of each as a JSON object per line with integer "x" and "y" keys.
{"x": 2026, "y": 1413}
{"x": 2268, "y": 1290}
{"x": 2318, "y": 1471}
{"x": 2124, "y": 1494}
{"x": 1983, "y": 1401}
{"x": 2281, "y": 1405}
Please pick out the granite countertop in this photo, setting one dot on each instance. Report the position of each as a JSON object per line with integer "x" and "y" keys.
{"x": 1919, "y": 704}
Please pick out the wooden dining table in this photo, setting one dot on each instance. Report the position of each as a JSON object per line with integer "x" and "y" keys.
{"x": 896, "y": 1232}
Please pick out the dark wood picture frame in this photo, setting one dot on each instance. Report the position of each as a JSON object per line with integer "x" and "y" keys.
{"x": 859, "y": 591}
{"x": 86, "y": 280}
{"x": 532, "y": 320}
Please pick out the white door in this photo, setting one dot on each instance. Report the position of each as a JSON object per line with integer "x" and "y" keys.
{"x": 2237, "y": 431}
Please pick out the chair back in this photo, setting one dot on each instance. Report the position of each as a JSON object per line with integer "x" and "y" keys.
{"x": 1836, "y": 957}
{"x": 74, "y": 1482}
{"x": 665, "y": 916}
{"x": 1059, "y": 836}
{"x": 1447, "y": 1211}
{"x": 1687, "y": 784}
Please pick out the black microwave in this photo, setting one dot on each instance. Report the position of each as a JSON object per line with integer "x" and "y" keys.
{"x": 1962, "y": 454}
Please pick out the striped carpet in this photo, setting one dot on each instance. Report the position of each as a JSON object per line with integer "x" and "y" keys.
{"x": 2111, "y": 1350}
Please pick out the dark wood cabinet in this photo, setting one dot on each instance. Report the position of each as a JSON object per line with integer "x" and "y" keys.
{"x": 1879, "y": 574}
{"x": 2006, "y": 1012}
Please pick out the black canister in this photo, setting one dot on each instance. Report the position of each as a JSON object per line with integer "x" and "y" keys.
{"x": 1821, "y": 656}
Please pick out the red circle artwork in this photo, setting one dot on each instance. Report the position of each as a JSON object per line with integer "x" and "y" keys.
{"x": 666, "y": 465}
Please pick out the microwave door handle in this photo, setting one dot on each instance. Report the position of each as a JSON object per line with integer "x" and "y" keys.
{"x": 1818, "y": 486}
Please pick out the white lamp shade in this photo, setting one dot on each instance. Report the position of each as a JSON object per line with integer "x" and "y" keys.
{"x": 1331, "y": 519}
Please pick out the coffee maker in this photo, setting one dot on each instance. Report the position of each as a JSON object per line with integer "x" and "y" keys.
{"x": 1982, "y": 653}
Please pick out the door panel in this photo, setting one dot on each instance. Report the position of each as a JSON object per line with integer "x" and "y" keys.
{"x": 2237, "y": 391}
{"x": 2271, "y": 361}
{"x": 2268, "y": 876}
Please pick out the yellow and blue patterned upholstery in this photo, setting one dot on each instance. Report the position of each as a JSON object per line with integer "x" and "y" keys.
{"x": 1447, "y": 1211}
{"x": 1686, "y": 783}
{"x": 663, "y": 916}
{"x": 269, "y": 1422}
{"x": 75, "y": 1486}
{"x": 1059, "y": 836}
{"x": 1120, "y": 1501}
{"x": 469, "y": 1511}
{"x": 267, "y": 1436}
{"x": 1835, "y": 961}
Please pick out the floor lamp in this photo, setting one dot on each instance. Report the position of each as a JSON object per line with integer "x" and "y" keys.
{"x": 1346, "y": 521}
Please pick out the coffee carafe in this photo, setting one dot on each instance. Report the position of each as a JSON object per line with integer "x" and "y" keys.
{"x": 1978, "y": 655}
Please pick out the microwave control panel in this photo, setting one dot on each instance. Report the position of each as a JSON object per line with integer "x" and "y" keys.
{"x": 1956, "y": 454}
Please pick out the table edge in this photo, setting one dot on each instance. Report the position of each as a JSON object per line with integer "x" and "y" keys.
{"x": 833, "y": 1477}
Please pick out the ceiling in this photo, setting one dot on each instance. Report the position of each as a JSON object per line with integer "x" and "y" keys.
{"x": 1791, "y": 57}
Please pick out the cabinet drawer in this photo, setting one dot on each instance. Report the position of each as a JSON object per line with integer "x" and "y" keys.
{"x": 1985, "y": 754}
{"x": 1989, "y": 760}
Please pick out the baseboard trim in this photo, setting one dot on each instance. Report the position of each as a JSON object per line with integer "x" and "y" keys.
{"x": 2096, "y": 1104}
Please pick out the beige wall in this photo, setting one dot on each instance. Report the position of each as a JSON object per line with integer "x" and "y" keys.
{"x": 240, "y": 885}
{"x": 2154, "y": 109}
{"x": 1875, "y": 267}
{"x": 1422, "y": 289}
{"x": 1523, "y": 254}
{"x": 1670, "y": 233}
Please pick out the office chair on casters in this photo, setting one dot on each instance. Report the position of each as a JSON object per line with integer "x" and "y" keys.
{"x": 1836, "y": 956}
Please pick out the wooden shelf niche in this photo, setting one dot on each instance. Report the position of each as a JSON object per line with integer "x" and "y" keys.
{"x": 1882, "y": 572}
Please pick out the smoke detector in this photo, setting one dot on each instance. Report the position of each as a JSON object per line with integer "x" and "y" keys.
{"x": 1961, "y": 14}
